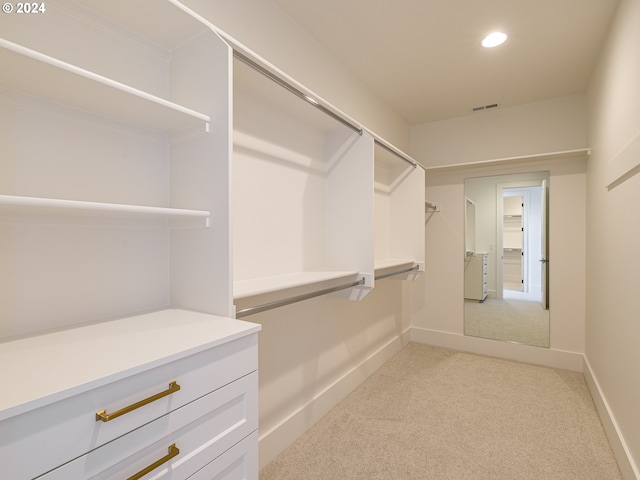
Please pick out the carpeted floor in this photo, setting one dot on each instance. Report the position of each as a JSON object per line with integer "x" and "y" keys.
{"x": 433, "y": 413}
{"x": 510, "y": 319}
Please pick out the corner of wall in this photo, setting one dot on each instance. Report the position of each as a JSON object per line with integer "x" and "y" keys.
{"x": 621, "y": 451}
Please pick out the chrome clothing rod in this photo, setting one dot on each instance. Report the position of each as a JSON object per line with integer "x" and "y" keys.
{"x": 288, "y": 301}
{"x": 256, "y": 66}
{"x": 392, "y": 274}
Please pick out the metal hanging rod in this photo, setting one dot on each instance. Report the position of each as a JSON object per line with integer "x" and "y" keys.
{"x": 396, "y": 153}
{"x": 295, "y": 91}
{"x": 288, "y": 301}
{"x": 431, "y": 206}
{"x": 399, "y": 272}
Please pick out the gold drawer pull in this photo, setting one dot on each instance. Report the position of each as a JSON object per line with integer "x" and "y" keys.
{"x": 173, "y": 452}
{"x": 105, "y": 417}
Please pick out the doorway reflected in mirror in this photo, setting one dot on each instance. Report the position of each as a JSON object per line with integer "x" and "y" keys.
{"x": 505, "y": 258}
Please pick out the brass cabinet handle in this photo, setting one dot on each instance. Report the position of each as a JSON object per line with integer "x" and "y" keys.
{"x": 105, "y": 417}
{"x": 173, "y": 452}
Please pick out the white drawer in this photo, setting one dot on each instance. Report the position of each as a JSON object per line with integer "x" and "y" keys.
{"x": 238, "y": 463}
{"x": 201, "y": 431}
{"x": 64, "y": 430}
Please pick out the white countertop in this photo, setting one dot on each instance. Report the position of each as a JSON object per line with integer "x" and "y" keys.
{"x": 41, "y": 369}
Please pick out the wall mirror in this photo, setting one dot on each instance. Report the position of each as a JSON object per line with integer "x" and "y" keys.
{"x": 505, "y": 258}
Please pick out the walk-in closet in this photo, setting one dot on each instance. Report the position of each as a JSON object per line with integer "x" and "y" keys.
{"x": 238, "y": 234}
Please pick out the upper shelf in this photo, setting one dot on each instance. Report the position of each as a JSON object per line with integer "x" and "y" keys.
{"x": 54, "y": 205}
{"x": 500, "y": 162}
{"x": 29, "y": 71}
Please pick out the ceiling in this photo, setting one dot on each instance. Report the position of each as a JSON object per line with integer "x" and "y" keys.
{"x": 424, "y": 58}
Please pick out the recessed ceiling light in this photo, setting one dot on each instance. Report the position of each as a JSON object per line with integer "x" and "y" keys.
{"x": 494, "y": 39}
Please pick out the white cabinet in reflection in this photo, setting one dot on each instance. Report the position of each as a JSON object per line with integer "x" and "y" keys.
{"x": 475, "y": 276}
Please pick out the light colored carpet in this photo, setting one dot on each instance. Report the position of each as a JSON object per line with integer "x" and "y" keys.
{"x": 433, "y": 413}
{"x": 510, "y": 319}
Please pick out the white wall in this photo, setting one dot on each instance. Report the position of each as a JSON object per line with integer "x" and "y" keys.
{"x": 439, "y": 319}
{"x": 540, "y": 127}
{"x": 613, "y": 230}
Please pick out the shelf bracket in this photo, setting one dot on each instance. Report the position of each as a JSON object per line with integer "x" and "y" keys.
{"x": 431, "y": 206}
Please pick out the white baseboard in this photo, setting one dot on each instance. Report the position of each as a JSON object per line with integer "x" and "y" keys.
{"x": 274, "y": 441}
{"x": 494, "y": 348}
{"x": 627, "y": 466}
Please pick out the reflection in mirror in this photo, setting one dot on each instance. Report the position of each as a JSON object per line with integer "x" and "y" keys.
{"x": 505, "y": 258}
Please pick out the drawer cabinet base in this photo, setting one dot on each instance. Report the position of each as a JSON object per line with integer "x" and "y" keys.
{"x": 201, "y": 431}
{"x": 240, "y": 462}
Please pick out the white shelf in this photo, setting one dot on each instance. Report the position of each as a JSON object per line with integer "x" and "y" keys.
{"x": 52, "y": 205}
{"x": 57, "y": 357}
{"x": 29, "y": 71}
{"x": 524, "y": 159}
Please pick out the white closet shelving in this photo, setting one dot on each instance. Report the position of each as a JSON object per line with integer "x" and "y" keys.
{"x": 303, "y": 210}
{"x": 114, "y": 179}
{"x": 75, "y": 86}
{"x": 53, "y": 205}
{"x": 115, "y": 189}
{"x": 115, "y": 278}
{"x": 399, "y": 214}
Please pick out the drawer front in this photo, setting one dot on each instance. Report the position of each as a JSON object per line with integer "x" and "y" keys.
{"x": 201, "y": 431}
{"x": 67, "y": 429}
{"x": 238, "y": 463}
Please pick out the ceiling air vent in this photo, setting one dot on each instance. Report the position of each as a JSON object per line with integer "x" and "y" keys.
{"x": 484, "y": 107}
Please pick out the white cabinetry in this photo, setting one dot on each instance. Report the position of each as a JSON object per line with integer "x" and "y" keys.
{"x": 318, "y": 203}
{"x": 302, "y": 195}
{"x": 201, "y": 368}
{"x": 475, "y": 277}
{"x": 114, "y": 201}
{"x": 115, "y": 167}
